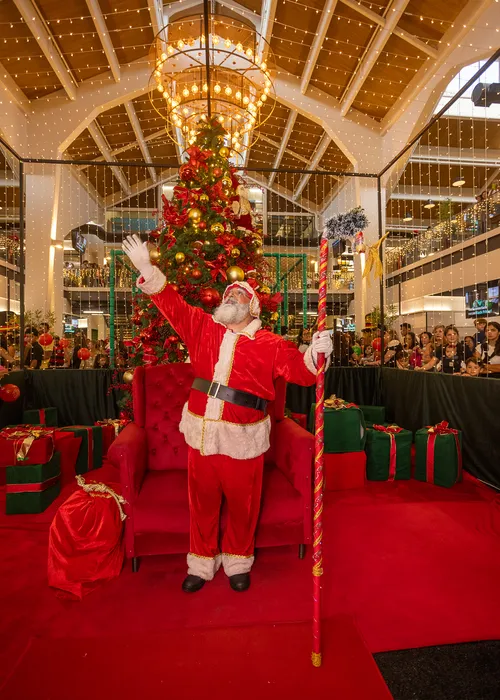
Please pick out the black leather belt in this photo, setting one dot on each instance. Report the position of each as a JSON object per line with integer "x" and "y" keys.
{"x": 225, "y": 393}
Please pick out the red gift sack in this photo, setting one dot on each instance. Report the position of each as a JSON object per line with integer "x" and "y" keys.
{"x": 344, "y": 470}
{"x": 86, "y": 540}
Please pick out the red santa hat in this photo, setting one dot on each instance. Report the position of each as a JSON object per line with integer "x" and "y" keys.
{"x": 251, "y": 294}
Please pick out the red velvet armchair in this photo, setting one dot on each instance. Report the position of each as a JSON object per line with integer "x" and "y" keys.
{"x": 151, "y": 455}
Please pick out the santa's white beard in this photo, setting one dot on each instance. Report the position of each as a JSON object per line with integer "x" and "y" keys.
{"x": 231, "y": 312}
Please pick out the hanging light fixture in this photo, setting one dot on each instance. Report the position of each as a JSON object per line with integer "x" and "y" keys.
{"x": 212, "y": 68}
{"x": 408, "y": 216}
{"x": 429, "y": 205}
{"x": 458, "y": 181}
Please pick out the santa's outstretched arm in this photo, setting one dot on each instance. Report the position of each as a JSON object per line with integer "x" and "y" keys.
{"x": 185, "y": 319}
{"x": 300, "y": 368}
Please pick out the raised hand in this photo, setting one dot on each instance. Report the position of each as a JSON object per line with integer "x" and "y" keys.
{"x": 138, "y": 254}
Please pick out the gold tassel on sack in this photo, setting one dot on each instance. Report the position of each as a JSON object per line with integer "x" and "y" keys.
{"x": 100, "y": 488}
{"x": 373, "y": 261}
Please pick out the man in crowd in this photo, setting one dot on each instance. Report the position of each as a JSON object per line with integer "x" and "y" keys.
{"x": 33, "y": 353}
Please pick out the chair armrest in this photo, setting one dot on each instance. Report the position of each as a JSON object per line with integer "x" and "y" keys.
{"x": 294, "y": 454}
{"x": 128, "y": 453}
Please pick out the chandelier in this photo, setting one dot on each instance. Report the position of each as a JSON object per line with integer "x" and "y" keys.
{"x": 226, "y": 77}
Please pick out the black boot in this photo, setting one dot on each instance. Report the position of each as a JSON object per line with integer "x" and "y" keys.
{"x": 191, "y": 583}
{"x": 240, "y": 582}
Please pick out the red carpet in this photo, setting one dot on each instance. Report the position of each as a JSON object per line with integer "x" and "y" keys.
{"x": 413, "y": 564}
{"x": 267, "y": 662}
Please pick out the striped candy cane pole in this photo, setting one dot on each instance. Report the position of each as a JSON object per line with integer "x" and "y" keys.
{"x": 317, "y": 570}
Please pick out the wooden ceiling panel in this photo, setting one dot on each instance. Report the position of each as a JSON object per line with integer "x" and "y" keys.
{"x": 149, "y": 119}
{"x": 429, "y": 19}
{"x": 144, "y": 200}
{"x": 262, "y": 155}
{"x": 129, "y": 25}
{"x": 163, "y": 150}
{"x": 83, "y": 148}
{"x": 22, "y": 57}
{"x": 335, "y": 159}
{"x": 460, "y": 132}
{"x": 425, "y": 175}
{"x": 293, "y": 31}
{"x": 278, "y": 204}
{"x": 103, "y": 180}
{"x": 77, "y": 38}
{"x": 305, "y": 137}
{"x": 116, "y": 127}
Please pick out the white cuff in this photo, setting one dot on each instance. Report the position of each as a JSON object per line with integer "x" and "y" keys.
{"x": 154, "y": 283}
{"x": 310, "y": 363}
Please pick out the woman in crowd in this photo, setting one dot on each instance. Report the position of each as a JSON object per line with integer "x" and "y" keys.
{"x": 450, "y": 356}
{"x": 425, "y": 338}
{"x": 469, "y": 346}
{"x": 392, "y": 347}
{"x": 6, "y": 359}
{"x": 489, "y": 351}
{"x": 438, "y": 335}
{"x": 101, "y": 361}
{"x": 304, "y": 339}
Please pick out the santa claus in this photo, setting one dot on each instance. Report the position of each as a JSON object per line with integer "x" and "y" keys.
{"x": 225, "y": 421}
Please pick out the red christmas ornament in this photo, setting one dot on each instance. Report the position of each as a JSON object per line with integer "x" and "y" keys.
{"x": 175, "y": 287}
{"x": 45, "y": 339}
{"x": 124, "y": 415}
{"x": 196, "y": 274}
{"x": 64, "y": 342}
{"x": 217, "y": 172}
{"x": 9, "y": 393}
{"x": 209, "y": 297}
{"x": 83, "y": 353}
{"x": 187, "y": 172}
{"x": 173, "y": 339}
{"x": 202, "y": 225}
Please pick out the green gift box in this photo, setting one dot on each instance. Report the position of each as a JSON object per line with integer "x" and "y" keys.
{"x": 344, "y": 430}
{"x": 91, "y": 450}
{"x": 31, "y": 488}
{"x": 438, "y": 455}
{"x": 388, "y": 454}
{"x": 41, "y": 416}
{"x": 373, "y": 414}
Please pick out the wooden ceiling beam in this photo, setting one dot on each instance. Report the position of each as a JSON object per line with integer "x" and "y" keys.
{"x": 317, "y": 45}
{"x": 290, "y": 123}
{"x": 103, "y": 146}
{"x": 102, "y": 31}
{"x": 167, "y": 175}
{"x": 156, "y": 14}
{"x": 372, "y": 54}
{"x": 267, "y": 15}
{"x": 313, "y": 163}
{"x": 14, "y": 91}
{"x": 134, "y": 121}
{"x": 305, "y": 204}
{"x": 35, "y": 22}
{"x": 128, "y": 147}
{"x": 437, "y": 194}
{"x": 381, "y": 21}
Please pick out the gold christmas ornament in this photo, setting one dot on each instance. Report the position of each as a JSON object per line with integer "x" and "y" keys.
{"x": 128, "y": 376}
{"x": 194, "y": 215}
{"x": 235, "y": 253}
{"x": 275, "y": 316}
{"x": 224, "y": 152}
{"x": 259, "y": 251}
{"x": 217, "y": 228}
{"x": 235, "y": 274}
{"x": 179, "y": 258}
{"x": 154, "y": 255}
{"x": 204, "y": 198}
{"x": 265, "y": 290}
{"x": 226, "y": 181}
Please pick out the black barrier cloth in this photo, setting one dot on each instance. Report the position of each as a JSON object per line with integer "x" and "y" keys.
{"x": 361, "y": 385}
{"x": 80, "y": 396}
{"x": 416, "y": 399}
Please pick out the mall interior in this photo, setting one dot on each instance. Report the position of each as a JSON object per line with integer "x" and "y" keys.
{"x": 234, "y": 138}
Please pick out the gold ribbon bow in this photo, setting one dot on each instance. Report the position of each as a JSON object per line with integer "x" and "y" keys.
{"x": 373, "y": 261}
{"x": 100, "y": 488}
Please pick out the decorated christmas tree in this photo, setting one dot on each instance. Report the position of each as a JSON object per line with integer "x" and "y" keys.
{"x": 206, "y": 240}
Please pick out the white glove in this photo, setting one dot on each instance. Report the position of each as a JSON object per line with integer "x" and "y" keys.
{"x": 138, "y": 253}
{"x": 321, "y": 342}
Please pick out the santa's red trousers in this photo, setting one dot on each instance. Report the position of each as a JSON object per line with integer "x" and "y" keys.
{"x": 239, "y": 481}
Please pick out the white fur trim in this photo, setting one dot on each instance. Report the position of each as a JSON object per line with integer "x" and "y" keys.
{"x": 236, "y": 565}
{"x": 222, "y": 370}
{"x": 154, "y": 283}
{"x": 308, "y": 360}
{"x": 219, "y": 437}
{"x": 204, "y": 567}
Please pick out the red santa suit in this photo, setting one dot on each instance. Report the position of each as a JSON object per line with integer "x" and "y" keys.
{"x": 226, "y": 441}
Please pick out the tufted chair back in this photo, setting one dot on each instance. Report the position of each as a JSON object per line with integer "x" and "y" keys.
{"x": 159, "y": 393}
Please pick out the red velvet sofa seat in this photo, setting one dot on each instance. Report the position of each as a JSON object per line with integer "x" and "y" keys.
{"x": 152, "y": 457}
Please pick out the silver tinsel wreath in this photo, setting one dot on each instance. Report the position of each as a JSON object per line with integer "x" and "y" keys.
{"x": 346, "y": 225}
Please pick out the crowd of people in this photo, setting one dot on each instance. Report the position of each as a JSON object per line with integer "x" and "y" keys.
{"x": 60, "y": 353}
{"x": 439, "y": 350}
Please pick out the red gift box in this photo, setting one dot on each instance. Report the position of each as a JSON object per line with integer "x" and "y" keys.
{"x": 26, "y": 445}
{"x": 344, "y": 470}
{"x": 68, "y": 447}
{"x": 108, "y": 436}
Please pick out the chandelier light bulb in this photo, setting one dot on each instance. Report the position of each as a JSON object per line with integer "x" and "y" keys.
{"x": 164, "y": 57}
{"x": 245, "y": 100}
{"x": 160, "y": 88}
{"x": 217, "y": 88}
{"x": 185, "y": 92}
{"x": 180, "y": 44}
{"x": 239, "y": 46}
{"x": 227, "y": 43}
{"x": 228, "y": 91}
{"x": 205, "y": 88}
{"x": 194, "y": 89}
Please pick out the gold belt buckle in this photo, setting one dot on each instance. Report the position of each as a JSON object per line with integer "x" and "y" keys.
{"x": 214, "y": 396}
